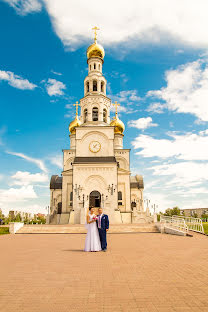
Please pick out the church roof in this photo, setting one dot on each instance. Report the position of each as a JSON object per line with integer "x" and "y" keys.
{"x": 56, "y": 182}
{"x": 136, "y": 181}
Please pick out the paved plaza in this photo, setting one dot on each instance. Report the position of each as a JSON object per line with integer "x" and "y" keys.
{"x": 140, "y": 272}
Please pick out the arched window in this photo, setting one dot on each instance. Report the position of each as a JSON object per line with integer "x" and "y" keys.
{"x": 94, "y": 66}
{"x": 102, "y": 86}
{"x": 95, "y": 114}
{"x": 90, "y": 67}
{"x": 99, "y": 66}
{"x": 119, "y": 195}
{"x": 87, "y": 86}
{"x": 94, "y": 85}
{"x": 105, "y": 115}
{"x": 85, "y": 115}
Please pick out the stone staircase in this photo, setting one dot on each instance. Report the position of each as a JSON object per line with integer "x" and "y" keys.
{"x": 80, "y": 228}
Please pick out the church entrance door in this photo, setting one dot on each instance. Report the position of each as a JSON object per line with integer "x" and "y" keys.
{"x": 95, "y": 199}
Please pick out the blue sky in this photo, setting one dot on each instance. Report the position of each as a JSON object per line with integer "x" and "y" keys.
{"x": 156, "y": 67}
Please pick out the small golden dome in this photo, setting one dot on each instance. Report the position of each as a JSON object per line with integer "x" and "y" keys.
{"x": 118, "y": 124}
{"x": 75, "y": 123}
{"x": 95, "y": 50}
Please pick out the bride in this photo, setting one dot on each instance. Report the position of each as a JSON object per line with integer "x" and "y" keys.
{"x": 92, "y": 241}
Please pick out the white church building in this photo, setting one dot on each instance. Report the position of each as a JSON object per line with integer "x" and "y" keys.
{"x": 96, "y": 168}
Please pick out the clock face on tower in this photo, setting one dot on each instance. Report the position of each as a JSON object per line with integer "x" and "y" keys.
{"x": 94, "y": 146}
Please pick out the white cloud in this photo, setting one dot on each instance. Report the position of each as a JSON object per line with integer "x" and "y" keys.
{"x": 126, "y": 97}
{"x": 16, "y": 81}
{"x": 186, "y": 90}
{"x": 143, "y": 21}
{"x": 157, "y": 108}
{"x": 184, "y": 174}
{"x": 57, "y": 161}
{"x": 189, "y": 146}
{"x": 55, "y": 87}
{"x": 128, "y": 101}
{"x": 150, "y": 21}
{"x": 56, "y": 73}
{"x": 158, "y": 198}
{"x": 37, "y": 162}
{"x": 24, "y": 7}
{"x": 26, "y": 178}
{"x": 142, "y": 123}
{"x": 17, "y": 194}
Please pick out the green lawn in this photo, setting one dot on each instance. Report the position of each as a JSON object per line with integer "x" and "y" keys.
{"x": 4, "y": 230}
{"x": 205, "y": 225}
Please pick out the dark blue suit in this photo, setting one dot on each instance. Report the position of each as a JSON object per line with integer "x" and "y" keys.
{"x": 102, "y": 230}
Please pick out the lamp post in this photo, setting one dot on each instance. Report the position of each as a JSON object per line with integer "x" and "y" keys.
{"x": 111, "y": 188}
{"x": 154, "y": 206}
{"x": 77, "y": 190}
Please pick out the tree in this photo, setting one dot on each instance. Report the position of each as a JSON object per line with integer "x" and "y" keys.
{"x": 175, "y": 211}
{"x": 18, "y": 218}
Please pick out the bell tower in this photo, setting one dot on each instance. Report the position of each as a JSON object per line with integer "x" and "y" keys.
{"x": 96, "y": 168}
{"x": 95, "y": 106}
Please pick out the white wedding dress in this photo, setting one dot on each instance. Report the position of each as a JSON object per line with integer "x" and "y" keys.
{"x": 92, "y": 241}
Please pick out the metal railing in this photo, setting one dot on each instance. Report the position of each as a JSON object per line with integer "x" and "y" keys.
{"x": 174, "y": 223}
{"x": 193, "y": 224}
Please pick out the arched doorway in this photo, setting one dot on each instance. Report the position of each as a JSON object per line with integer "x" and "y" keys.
{"x": 95, "y": 199}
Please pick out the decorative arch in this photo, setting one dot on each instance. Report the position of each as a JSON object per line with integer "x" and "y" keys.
{"x": 68, "y": 163}
{"x": 123, "y": 164}
{"x": 93, "y": 133}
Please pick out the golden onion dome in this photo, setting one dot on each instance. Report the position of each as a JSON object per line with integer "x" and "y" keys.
{"x": 95, "y": 50}
{"x": 117, "y": 124}
{"x": 75, "y": 123}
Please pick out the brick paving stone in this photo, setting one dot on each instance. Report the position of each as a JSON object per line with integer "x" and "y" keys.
{"x": 140, "y": 272}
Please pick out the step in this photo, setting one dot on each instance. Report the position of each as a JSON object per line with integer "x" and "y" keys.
{"x": 78, "y": 228}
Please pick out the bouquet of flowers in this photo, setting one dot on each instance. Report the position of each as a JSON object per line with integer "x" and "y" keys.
{"x": 95, "y": 218}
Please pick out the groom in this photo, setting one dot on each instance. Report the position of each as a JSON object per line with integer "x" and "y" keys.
{"x": 103, "y": 227}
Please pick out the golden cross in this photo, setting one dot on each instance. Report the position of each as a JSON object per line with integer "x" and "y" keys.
{"x": 95, "y": 29}
{"x": 116, "y": 104}
{"x": 77, "y": 105}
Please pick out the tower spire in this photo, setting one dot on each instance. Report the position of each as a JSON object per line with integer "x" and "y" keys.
{"x": 95, "y": 31}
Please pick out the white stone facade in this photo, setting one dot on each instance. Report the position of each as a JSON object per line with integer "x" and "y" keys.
{"x": 96, "y": 168}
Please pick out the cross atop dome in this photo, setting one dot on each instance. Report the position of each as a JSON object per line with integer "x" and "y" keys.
{"x": 116, "y": 104}
{"x": 77, "y": 105}
{"x": 95, "y": 30}
{"x": 95, "y": 49}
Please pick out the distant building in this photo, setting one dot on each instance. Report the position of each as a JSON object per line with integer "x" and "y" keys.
{"x": 194, "y": 211}
{"x": 24, "y": 215}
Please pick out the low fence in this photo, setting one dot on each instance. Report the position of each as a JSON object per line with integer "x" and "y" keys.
{"x": 173, "y": 223}
{"x": 193, "y": 224}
